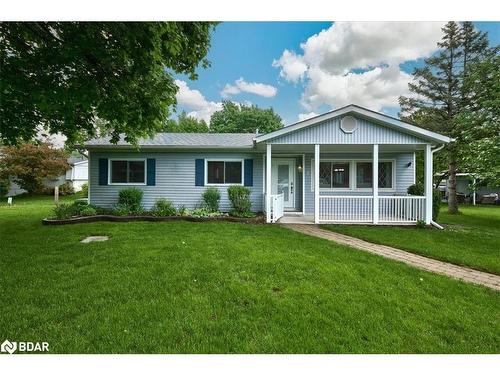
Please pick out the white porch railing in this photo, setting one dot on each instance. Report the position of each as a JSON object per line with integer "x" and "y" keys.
{"x": 277, "y": 205}
{"x": 405, "y": 209}
{"x": 359, "y": 209}
{"x": 347, "y": 209}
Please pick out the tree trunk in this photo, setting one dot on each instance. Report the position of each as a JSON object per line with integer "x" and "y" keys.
{"x": 452, "y": 187}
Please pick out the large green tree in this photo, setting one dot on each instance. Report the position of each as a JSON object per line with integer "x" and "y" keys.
{"x": 241, "y": 118}
{"x": 62, "y": 76}
{"x": 479, "y": 121}
{"x": 440, "y": 94}
{"x": 186, "y": 124}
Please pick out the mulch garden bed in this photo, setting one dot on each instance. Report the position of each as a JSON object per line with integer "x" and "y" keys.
{"x": 259, "y": 219}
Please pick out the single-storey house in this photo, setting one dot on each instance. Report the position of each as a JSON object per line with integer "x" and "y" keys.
{"x": 318, "y": 170}
{"x": 470, "y": 189}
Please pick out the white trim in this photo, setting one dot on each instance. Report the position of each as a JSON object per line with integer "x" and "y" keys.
{"x": 110, "y": 160}
{"x": 206, "y": 183}
{"x": 263, "y": 173}
{"x": 375, "y": 165}
{"x": 317, "y": 156}
{"x": 428, "y": 184}
{"x": 89, "y": 177}
{"x": 303, "y": 182}
{"x": 381, "y": 118}
{"x": 268, "y": 183}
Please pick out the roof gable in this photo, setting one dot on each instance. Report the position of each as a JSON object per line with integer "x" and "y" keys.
{"x": 374, "y": 127}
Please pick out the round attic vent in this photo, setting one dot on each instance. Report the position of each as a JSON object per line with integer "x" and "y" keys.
{"x": 348, "y": 124}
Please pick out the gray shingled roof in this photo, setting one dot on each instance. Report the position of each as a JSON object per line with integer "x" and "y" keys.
{"x": 185, "y": 140}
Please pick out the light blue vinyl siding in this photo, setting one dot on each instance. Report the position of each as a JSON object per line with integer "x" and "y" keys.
{"x": 404, "y": 176}
{"x": 175, "y": 179}
{"x": 329, "y": 132}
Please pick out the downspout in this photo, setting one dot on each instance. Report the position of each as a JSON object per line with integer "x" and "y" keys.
{"x": 433, "y": 223}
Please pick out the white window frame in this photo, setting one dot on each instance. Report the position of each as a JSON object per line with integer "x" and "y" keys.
{"x": 225, "y": 160}
{"x": 352, "y": 175}
{"x": 128, "y": 183}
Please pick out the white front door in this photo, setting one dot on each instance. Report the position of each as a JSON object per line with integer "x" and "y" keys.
{"x": 283, "y": 180}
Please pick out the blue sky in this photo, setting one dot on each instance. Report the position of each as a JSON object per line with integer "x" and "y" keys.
{"x": 306, "y": 68}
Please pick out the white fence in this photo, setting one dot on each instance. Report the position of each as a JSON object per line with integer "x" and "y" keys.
{"x": 359, "y": 209}
{"x": 407, "y": 209}
{"x": 277, "y": 204}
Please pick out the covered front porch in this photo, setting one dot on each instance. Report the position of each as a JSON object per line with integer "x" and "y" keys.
{"x": 340, "y": 188}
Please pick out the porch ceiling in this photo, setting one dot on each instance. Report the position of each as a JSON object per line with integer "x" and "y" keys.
{"x": 355, "y": 148}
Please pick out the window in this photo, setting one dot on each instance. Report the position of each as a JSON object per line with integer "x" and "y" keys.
{"x": 128, "y": 171}
{"x": 224, "y": 172}
{"x": 364, "y": 175}
{"x": 333, "y": 175}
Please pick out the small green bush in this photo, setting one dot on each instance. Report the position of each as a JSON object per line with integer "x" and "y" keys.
{"x": 66, "y": 189}
{"x": 131, "y": 198}
{"x": 416, "y": 189}
{"x": 85, "y": 190}
{"x": 204, "y": 212}
{"x": 240, "y": 200}
{"x": 183, "y": 211}
{"x": 64, "y": 211}
{"x": 88, "y": 211}
{"x": 211, "y": 198}
{"x": 163, "y": 207}
{"x": 122, "y": 210}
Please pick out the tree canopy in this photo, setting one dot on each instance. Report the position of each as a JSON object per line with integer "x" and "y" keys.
{"x": 241, "y": 118}
{"x": 186, "y": 124}
{"x": 441, "y": 93}
{"x": 62, "y": 76}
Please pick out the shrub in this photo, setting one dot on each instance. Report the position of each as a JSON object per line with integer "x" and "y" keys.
{"x": 66, "y": 189}
{"x": 88, "y": 211}
{"x": 122, "y": 210}
{"x": 183, "y": 211}
{"x": 240, "y": 200}
{"x": 163, "y": 207}
{"x": 85, "y": 190}
{"x": 416, "y": 189}
{"x": 64, "y": 211}
{"x": 421, "y": 224}
{"x": 131, "y": 198}
{"x": 211, "y": 198}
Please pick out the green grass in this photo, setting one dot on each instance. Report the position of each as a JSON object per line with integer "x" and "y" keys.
{"x": 179, "y": 287}
{"x": 471, "y": 238}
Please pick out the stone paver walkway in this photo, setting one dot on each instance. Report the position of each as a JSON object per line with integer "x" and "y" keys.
{"x": 457, "y": 272}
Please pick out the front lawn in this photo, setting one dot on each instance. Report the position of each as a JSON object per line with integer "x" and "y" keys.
{"x": 179, "y": 287}
{"x": 471, "y": 238}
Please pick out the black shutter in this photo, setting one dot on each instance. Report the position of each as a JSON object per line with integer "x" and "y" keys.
{"x": 199, "y": 174}
{"x": 248, "y": 178}
{"x": 151, "y": 169}
{"x": 103, "y": 171}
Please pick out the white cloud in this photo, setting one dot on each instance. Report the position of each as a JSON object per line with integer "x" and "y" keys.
{"x": 194, "y": 100}
{"x": 256, "y": 88}
{"x": 358, "y": 62}
{"x": 305, "y": 116}
{"x": 293, "y": 67}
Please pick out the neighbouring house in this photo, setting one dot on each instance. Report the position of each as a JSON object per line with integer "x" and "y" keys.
{"x": 319, "y": 170}
{"x": 470, "y": 189}
{"x": 79, "y": 172}
{"x": 77, "y": 175}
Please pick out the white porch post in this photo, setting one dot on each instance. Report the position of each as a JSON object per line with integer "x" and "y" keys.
{"x": 268, "y": 183}
{"x": 375, "y": 183}
{"x": 316, "y": 184}
{"x": 428, "y": 184}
